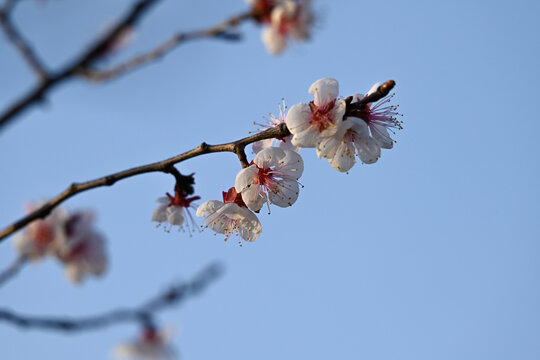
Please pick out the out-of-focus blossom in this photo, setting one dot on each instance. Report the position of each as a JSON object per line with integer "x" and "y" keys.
{"x": 82, "y": 250}
{"x": 288, "y": 19}
{"x": 311, "y": 123}
{"x": 175, "y": 209}
{"x": 282, "y": 142}
{"x": 151, "y": 345}
{"x": 41, "y": 237}
{"x": 230, "y": 217}
{"x": 273, "y": 176}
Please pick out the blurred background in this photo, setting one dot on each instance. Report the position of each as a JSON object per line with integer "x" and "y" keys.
{"x": 431, "y": 253}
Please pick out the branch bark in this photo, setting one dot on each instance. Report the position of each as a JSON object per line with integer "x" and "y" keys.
{"x": 237, "y": 147}
{"x": 174, "y": 295}
{"x": 20, "y": 43}
{"x": 218, "y": 31}
{"x": 84, "y": 60}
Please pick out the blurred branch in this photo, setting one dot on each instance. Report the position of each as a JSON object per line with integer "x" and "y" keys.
{"x": 237, "y": 147}
{"x": 93, "y": 53}
{"x": 221, "y": 31}
{"x": 12, "y": 270}
{"x": 175, "y": 295}
{"x": 19, "y": 43}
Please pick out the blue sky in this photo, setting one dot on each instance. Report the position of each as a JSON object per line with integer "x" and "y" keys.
{"x": 431, "y": 253}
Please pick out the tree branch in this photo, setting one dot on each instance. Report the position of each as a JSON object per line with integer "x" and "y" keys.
{"x": 237, "y": 147}
{"x": 13, "y": 269}
{"x": 84, "y": 60}
{"x": 218, "y": 31}
{"x": 20, "y": 43}
{"x": 176, "y": 294}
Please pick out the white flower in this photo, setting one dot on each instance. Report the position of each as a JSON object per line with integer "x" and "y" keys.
{"x": 43, "y": 235}
{"x": 288, "y": 18}
{"x": 379, "y": 118}
{"x": 82, "y": 251}
{"x": 231, "y": 216}
{"x": 273, "y": 177}
{"x": 152, "y": 344}
{"x": 321, "y": 118}
{"x": 284, "y": 143}
{"x": 340, "y": 151}
{"x": 174, "y": 210}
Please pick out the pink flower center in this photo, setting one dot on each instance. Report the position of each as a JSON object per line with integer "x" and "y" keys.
{"x": 44, "y": 234}
{"x": 181, "y": 200}
{"x": 380, "y": 115}
{"x": 232, "y": 196}
{"x": 150, "y": 335}
{"x": 78, "y": 251}
{"x": 321, "y": 116}
{"x": 266, "y": 178}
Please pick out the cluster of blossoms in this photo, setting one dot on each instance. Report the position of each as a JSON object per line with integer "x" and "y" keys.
{"x": 284, "y": 19}
{"x": 70, "y": 238}
{"x": 151, "y": 344}
{"x": 338, "y": 129}
{"x": 272, "y": 178}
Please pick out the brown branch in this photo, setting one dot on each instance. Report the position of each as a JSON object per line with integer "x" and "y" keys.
{"x": 84, "y": 60}
{"x": 218, "y": 31}
{"x": 13, "y": 269}
{"x": 20, "y": 43}
{"x": 165, "y": 166}
{"x": 174, "y": 295}
{"x": 237, "y": 147}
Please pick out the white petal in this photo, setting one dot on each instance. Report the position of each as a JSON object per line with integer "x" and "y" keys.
{"x": 74, "y": 272}
{"x": 373, "y": 88}
{"x": 324, "y": 90}
{"x": 274, "y": 42}
{"x": 208, "y": 207}
{"x": 380, "y": 134}
{"x": 356, "y": 97}
{"x": 269, "y": 157}
{"x": 257, "y": 146}
{"x": 245, "y": 178}
{"x": 286, "y": 193}
{"x": 254, "y": 197}
{"x": 359, "y": 127}
{"x": 298, "y": 117}
{"x": 160, "y": 213}
{"x": 174, "y": 215}
{"x": 343, "y": 159}
{"x": 368, "y": 150}
{"x": 286, "y": 144}
{"x": 249, "y": 225}
{"x": 306, "y": 138}
{"x": 327, "y": 146}
{"x": 291, "y": 165}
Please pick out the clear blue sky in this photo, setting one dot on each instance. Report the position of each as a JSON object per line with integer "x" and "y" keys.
{"x": 431, "y": 253}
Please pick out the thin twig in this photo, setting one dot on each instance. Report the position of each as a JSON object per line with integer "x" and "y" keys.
{"x": 20, "y": 43}
{"x": 221, "y": 31}
{"x": 175, "y": 295}
{"x": 85, "y": 59}
{"x": 12, "y": 270}
{"x": 237, "y": 147}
